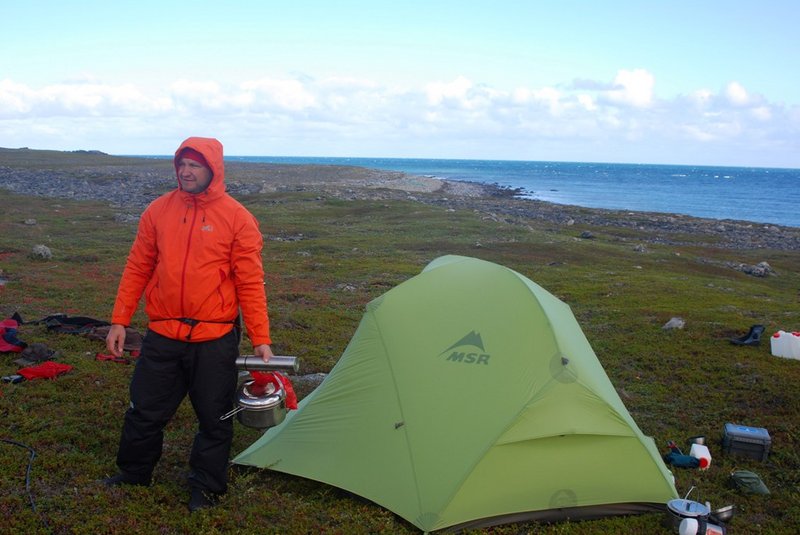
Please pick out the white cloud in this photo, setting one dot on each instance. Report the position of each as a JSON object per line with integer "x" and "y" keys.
{"x": 702, "y": 98}
{"x": 587, "y": 102}
{"x": 697, "y": 133}
{"x": 737, "y": 94}
{"x": 762, "y": 113}
{"x": 549, "y": 97}
{"x": 634, "y": 88}
{"x": 286, "y": 94}
{"x": 444, "y": 118}
{"x": 15, "y": 99}
{"x": 77, "y": 99}
{"x": 456, "y": 90}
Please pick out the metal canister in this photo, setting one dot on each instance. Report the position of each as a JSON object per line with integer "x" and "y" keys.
{"x": 276, "y": 363}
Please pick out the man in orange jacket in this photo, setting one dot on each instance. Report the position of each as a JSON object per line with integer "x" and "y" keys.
{"x": 197, "y": 260}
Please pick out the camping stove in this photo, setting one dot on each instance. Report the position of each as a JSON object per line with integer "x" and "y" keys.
{"x": 261, "y": 406}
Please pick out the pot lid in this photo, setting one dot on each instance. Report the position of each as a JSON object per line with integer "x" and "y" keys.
{"x": 688, "y": 508}
{"x": 261, "y": 404}
{"x": 271, "y": 398}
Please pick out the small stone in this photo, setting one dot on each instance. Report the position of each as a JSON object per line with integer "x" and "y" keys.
{"x": 125, "y": 218}
{"x": 674, "y": 323}
{"x": 41, "y": 251}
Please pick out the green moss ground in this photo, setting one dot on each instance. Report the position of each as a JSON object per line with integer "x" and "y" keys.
{"x": 326, "y": 258}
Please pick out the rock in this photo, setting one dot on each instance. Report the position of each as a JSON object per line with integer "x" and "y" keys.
{"x": 640, "y": 248}
{"x": 346, "y": 287}
{"x": 42, "y": 252}
{"x": 674, "y": 323}
{"x": 312, "y": 379}
{"x": 586, "y": 235}
{"x": 30, "y": 221}
{"x": 762, "y": 269}
{"x": 125, "y": 218}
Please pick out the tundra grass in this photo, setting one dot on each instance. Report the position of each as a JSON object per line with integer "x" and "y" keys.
{"x": 326, "y": 258}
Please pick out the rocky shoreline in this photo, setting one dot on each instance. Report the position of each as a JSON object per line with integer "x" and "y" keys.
{"x": 131, "y": 186}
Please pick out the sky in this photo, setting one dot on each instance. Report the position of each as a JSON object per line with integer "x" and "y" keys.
{"x": 622, "y": 81}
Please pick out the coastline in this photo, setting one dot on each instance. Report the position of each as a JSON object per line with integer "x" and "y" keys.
{"x": 130, "y": 184}
{"x": 672, "y": 229}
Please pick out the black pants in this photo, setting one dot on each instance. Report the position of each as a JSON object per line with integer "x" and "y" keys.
{"x": 165, "y": 372}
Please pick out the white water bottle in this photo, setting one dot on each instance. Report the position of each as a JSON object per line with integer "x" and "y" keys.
{"x": 701, "y": 453}
{"x": 779, "y": 344}
{"x": 794, "y": 344}
{"x": 688, "y": 526}
{"x": 692, "y": 526}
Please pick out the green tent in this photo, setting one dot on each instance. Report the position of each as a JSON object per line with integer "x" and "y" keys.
{"x": 469, "y": 397}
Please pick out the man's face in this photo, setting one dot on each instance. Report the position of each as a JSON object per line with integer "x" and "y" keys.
{"x": 194, "y": 177}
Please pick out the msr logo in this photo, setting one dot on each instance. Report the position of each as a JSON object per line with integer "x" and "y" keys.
{"x": 468, "y": 350}
{"x": 207, "y": 228}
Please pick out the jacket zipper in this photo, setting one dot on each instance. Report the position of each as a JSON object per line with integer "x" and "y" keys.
{"x": 186, "y": 259}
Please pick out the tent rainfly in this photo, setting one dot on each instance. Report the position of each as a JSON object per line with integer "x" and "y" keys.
{"x": 469, "y": 397}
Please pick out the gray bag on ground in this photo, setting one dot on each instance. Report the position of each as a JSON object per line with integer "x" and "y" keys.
{"x": 748, "y": 482}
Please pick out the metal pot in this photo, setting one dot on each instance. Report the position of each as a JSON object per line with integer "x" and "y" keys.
{"x": 723, "y": 514}
{"x": 259, "y": 406}
{"x": 679, "y": 508}
{"x": 699, "y": 439}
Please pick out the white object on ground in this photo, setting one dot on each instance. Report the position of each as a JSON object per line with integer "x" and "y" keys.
{"x": 701, "y": 453}
{"x": 786, "y": 344}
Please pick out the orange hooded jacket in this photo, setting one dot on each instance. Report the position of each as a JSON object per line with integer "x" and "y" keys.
{"x": 197, "y": 259}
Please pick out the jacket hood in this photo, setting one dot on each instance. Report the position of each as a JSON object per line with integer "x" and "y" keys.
{"x": 211, "y": 149}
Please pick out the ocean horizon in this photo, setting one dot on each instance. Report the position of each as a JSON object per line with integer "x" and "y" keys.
{"x": 761, "y": 195}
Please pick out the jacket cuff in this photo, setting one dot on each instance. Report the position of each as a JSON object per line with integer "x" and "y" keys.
{"x": 120, "y": 321}
{"x": 260, "y": 340}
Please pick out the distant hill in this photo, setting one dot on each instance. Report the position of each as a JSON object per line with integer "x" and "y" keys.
{"x": 35, "y": 158}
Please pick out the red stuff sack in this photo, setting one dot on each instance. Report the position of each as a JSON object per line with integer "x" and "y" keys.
{"x": 46, "y": 370}
{"x": 278, "y": 379}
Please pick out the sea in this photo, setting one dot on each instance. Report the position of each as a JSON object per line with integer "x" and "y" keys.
{"x": 756, "y": 194}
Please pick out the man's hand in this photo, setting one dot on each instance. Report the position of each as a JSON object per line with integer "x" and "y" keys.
{"x": 264, "y": 351}
{"x": 115, "y": 340}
